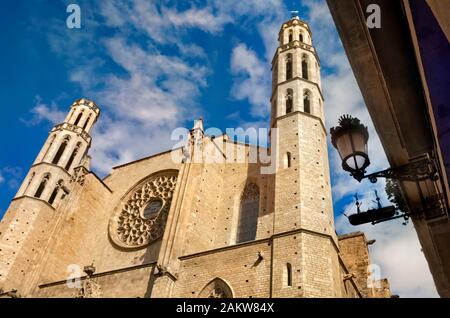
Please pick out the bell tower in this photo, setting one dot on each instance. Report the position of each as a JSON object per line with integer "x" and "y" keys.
{"x": 303, "y": 202}
{"x": 65, "y": 148}
{"x": 33, "y": 210}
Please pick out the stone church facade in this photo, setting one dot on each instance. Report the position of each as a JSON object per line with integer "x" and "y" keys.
{"x": 170, "y": 226}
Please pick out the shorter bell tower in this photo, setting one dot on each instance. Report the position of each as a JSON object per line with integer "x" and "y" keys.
{"x": 33, "y": 210}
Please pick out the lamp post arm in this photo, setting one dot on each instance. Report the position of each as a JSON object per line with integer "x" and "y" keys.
{"x": 414, "y": 171}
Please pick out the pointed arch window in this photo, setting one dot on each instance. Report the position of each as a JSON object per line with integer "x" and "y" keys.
{"x": 55, "y": 192}
{"x": 49, "y": 146}
{"x": 289, "y": 100}
{"x": 307, "y": 102}
{"x": 291, "y": 36}
{"x": 288, "y": 66}
{"x": 77, "y": 121}
{"x": 301, "y": 37}
{"x": 42, "y": 185}
{"x": 29, "y": 182}
{"x": 72, "y": 157}
{"x": 61, "y": 150}
{"x": 305, "y": 74}
{"x": 248, "y": 213}
{"x": 87, "y": 122}
{"x": 217, "y": 288}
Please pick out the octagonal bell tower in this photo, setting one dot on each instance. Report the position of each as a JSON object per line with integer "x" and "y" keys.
{"x": 303, "y": 203}
{"x": 33, "y": 211}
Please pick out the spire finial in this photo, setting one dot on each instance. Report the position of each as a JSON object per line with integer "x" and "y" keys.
{"x": 294, "y": 14}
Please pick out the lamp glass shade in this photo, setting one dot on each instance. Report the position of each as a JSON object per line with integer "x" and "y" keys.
{"x": 350, "y": 139}
{"x": 344, "y": 146}
{"x": 352, "y": 148}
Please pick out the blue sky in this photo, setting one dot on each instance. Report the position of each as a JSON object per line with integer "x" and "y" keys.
{"x": 153, "y": 66}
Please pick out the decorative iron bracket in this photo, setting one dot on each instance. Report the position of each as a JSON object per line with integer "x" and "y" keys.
{"x": 414, "y": 171}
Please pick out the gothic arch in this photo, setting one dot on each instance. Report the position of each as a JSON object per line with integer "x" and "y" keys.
{"x": 30, "y": 180}
{"x": 52, "y": 140}
{"x": 217, "y": 288}
{"x": 80, "y": 115}
{"x": 289, "y": 102}
{"x": 54, "y": 194}
{"x": 43, "y": 184}
{"x": 72, "y": 156}
{"x": 307, "y": 101}
{"x": 289, "y": 63}
{"x": 61, "y": 149}
{"x": 87, "y": 122}
{"x": 248, "y": 213}
{"x": 305, "y": 66}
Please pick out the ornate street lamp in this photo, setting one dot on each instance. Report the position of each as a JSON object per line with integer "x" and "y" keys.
{"x": 350, "y": 139}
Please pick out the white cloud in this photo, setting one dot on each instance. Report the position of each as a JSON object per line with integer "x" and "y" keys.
{"x": 44, "y": 112}
{"x": 251, "y": 81}
{"x": 145, "y": 105}
{"x": 158, "y": 91}
{"x": 2, "y": 179}
{"x": 398, "y": 254}
{"x": 203, "y": 19}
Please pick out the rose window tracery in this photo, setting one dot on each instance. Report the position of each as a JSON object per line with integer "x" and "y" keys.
{"x": 141, "y": 219}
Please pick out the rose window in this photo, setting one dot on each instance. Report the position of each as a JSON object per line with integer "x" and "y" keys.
{"x": 142, "y": 218}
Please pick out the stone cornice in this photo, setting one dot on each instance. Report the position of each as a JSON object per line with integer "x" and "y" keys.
{"x": 260, "y": 241}
{"x": 33, "y": 198}
{"x": 75, "y": 129}
{"x": 88, "y": 103}
{"x": 293, "y": 45}
{"x": 52, "y": 165}
{"x": 111, "y": 272}
{"x": 299, "y": 112}
{"x": 297, "y": 78}
{"x": 292, "y": 22}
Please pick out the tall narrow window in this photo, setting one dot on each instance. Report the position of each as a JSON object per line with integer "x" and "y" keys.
{"x": 307, "y": 102}
{"x": 248, "y": 214}
{"x": 288, "y": 66}
{"x": 42, "y": 185}
{"x": 71, "y": 114}
{"x": 301, "y": 37}
{"x": 289, "y": 101}
{"x": 287, "y": 160}
{"x": 305, "y": 67}
{"x": 87, "y": 122}
{"x": 61, "y": 150}
{"x": 78, "y": 119}
{"x": 55, "y": 192}
{"x": 317, "y": 72}
{"x": 72, "y": 157}
{"x": 29, "y": 182}
{"x": 288, "y": 274}
{"x": 291, "y": 37}
{"x": 49, "y": 146}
